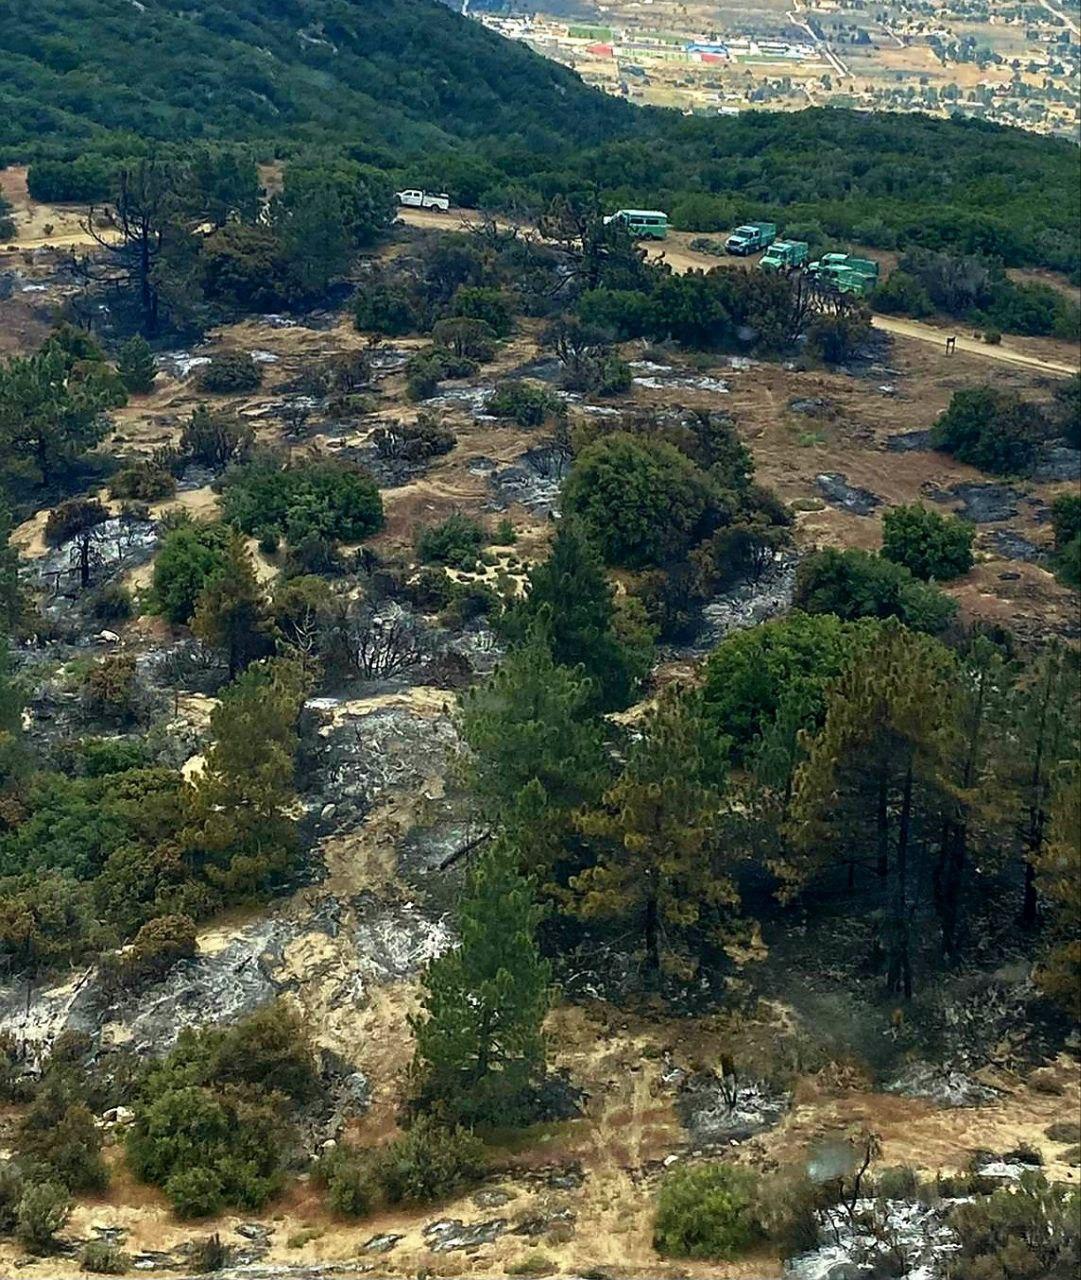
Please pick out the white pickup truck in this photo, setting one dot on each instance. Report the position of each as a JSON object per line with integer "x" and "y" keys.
{"x": 424, "y": 199}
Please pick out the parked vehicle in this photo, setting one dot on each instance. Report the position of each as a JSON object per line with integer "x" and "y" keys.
{"x": 856, "y": 276}
{"x": 645, "y": 224}
{"x": 785, "y": 256}
{"x": 751, "y": 237}
{"x": 416, "y": 199}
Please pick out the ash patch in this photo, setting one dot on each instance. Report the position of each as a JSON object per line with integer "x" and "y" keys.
{"x": 1058, "y": 463}
{"x": 982, "y": 503}
{"x": 899, "y": 1238}
{"x": 396, "y": 940}
{"x": 115, "y": 545}
{"x": 533, "y": 481}
{"x": 909, "y": 442}
{"x": 749, "y": 604}
{"x": 720, "y": 1109}
{"x": 215, "y": 987}
{"x": 945, "y": 1085}
{"x": 659, "y": 376}
{"x": 835, "y": 488}
{"x": 1012, "y": 546}
{"x": 388, "y": 748}
{"x": 473, "y": 399}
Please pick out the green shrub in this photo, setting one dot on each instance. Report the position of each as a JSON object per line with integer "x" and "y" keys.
{"x": 525, "y": 403}
{"x": 642, "y": 502}
{"x": 489, "y": 305}
{"x": 44, "y": 1209}
{"x": 414, "y": 442}
{"x": 12, "y": 1186}
{"x": 59, "y": 1142}
{"x": 104, "y": 1259}
{"x": 858, "y": 584}
{"x": 348, "y": 1176}
{"x": 146, "y": 481}
{"x": 429, "y": 1162}
{"x": 996, "y": 431}
{"x": 191, "y": 557}
{"x": 110, "y": 690}
{"x": 1028, "y": 1231}
{"x": 927, "y": 543}
{"x": 214, "y": 438}
{"x": 212, "y": 1124}
{"x": 159, "y": 944}
{"x": 993, "y": 337}
{"x": 1066, "y": 519}
{"x": 327, "y": 501}
{"x": 455, "y": 542}
{"x": 230, "y": 372}
{"x": 706, "y": 1211}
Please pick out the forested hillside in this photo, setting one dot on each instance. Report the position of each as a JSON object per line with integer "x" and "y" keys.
{"x": 410, "y": 86}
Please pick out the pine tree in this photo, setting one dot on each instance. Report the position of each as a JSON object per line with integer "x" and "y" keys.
{"x": 874, "y": 779}
{"x": 135, "y": 364}
{"x": 1045, "y": 722}
{"x": 1058, "y": 878}
{"x": 230, "y": 610}
{"x": 659, "y": 861}
{"x": 535, "y": 751}
{"x": 571, "y": 600}
{"x": 479, "y": 1045}
{"x": 240, "y": 831}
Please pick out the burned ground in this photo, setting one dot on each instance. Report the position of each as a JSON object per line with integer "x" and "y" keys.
{"x": 346, "y": 944}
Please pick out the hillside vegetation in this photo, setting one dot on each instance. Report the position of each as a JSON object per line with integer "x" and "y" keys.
{"x": 411, "y": 87}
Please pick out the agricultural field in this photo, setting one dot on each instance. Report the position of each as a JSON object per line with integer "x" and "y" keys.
{"x": 1005, "y": 62}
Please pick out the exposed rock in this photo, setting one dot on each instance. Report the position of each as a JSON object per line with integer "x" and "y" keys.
{"x": 449, "y": 1234}
{"x": 909, "y": 441}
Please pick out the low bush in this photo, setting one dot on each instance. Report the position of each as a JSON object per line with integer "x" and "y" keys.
{"x": 328, "y": 501}
{"x": 858, "y": 584}
{"x": 348, "y": 1177}
{"x": 75, "y": 516}
{"x": 112, "y": 603}
{"x": 159, "y": 944}
{"x": 707, "y": 1211}
{"x": 524, "y": 403}
{"x": 110, "y": 690}
{"x": 11, "y": 1192}
{"x": 1028, "y": 1231}
{"x": 58, "y": 1141}
{"x": 429, "y": 1162}
{"x": 190, "y": 558}
{"x": 456, "y": 542}
{"x": 230, "y": 372}
{"x": 930, "y": 545}
{"x": 414, "y": 442}
{"x": 996, "y": 431}
{"x": 44, "y": 1209}
{"x": 104, "y": 1259}
{"x": 214, "y": 438}
{"x": 146, "y": 481}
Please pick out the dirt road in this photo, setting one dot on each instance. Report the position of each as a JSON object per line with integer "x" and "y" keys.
{"x": 931, "y": 333}
{"x": 680, "y": 257}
